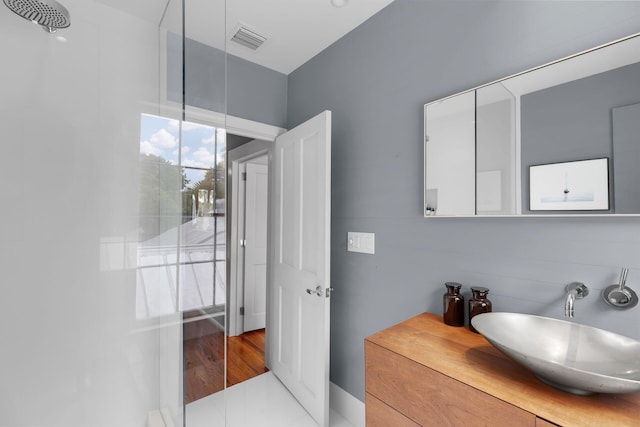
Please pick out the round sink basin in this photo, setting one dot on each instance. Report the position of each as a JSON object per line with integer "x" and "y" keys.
{"x": 575, "y": 358}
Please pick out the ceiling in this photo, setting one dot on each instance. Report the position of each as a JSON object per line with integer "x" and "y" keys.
{"x": 296, "y": 30}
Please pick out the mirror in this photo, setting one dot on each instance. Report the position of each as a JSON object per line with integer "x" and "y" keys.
{"x": 560, "y": 139}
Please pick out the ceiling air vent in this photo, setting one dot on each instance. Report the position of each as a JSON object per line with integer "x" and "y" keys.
{"x": 248, "y": 37}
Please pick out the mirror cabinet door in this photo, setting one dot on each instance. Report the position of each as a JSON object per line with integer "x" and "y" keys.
{"x": 496, "y": 174}
{"x": 482, "y": 145}
{"x": 450, "y": 156}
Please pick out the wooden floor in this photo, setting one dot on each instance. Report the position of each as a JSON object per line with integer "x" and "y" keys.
{"x": 245, "y": 357}
{"x": 203, "y": 343}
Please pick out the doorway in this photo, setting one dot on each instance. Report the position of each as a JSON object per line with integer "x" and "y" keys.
{"x": 254, "y": 178}
{"x": 248, "y": 195}
{"x": 206, "y": 343}
{"x": 301, "y": 202}
{"x": 248, "y": 212}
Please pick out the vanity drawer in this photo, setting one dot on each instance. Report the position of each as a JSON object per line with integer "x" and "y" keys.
{"x": 430, "y": 398}
{"x": 379, "y": 414}
{"x": 540, "y": 422}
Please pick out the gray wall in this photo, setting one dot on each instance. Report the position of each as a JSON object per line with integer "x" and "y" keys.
{"x": 376, "y": 80}
{"x": 253, "y": 92}
{"x": 573, "y": 121}
{"x": 626, "y": 152}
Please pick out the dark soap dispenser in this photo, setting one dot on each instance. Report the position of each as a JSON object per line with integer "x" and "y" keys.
{"x": 478, "y": 304}
{"x": 453, "y": 305}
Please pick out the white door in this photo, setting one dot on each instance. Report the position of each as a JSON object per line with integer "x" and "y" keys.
{"x": 255, "y": 257}
{"x": 299, "y": 264}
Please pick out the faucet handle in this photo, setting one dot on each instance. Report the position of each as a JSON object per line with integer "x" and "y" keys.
{"x": 619, "y": 296}
{"x": 580, "y": 288}
{"x": 623, "y": 278}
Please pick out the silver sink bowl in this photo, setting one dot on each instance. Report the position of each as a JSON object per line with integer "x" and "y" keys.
{"x": 575, "y": 358}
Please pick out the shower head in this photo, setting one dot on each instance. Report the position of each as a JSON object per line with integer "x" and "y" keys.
{"x": 49, "y": 14}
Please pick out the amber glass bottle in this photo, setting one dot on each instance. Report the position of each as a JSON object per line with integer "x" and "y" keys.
{"x": 478, "y": 304}
{"x": 453, "y": 305}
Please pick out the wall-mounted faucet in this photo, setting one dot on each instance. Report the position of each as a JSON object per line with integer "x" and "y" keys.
{"x": 620, "y": 296}
{"x": 575, "y": 290}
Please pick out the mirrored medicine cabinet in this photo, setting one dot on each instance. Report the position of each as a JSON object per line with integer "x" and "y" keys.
{"x": 559, "y": 139}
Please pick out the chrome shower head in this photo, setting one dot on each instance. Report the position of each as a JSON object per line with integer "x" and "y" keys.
{"x": 49, "y": 14}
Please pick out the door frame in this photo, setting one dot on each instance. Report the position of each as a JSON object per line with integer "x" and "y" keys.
{"x": 264, "y": 136}
{"x": 236, "y": 158}
{"x": 256, "y": 195}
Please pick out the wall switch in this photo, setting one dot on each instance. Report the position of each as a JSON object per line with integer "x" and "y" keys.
{"x": 361, "y": 242}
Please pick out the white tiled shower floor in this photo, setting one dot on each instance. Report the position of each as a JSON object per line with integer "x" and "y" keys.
{"x": 259, "y": 402}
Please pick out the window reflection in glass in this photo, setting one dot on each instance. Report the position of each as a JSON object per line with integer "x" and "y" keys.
{"x": 182, "y": 218}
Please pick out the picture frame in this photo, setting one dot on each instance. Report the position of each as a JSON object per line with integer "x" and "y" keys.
{"x": 580, "y": 185}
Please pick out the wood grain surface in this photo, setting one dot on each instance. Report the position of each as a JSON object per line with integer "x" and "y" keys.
{"x": 466, "y": 357}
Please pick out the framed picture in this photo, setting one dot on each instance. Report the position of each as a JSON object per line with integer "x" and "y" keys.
{"x": 581, "y": 185}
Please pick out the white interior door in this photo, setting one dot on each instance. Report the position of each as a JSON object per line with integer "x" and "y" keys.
{"x": 255, "y": 257}
{"x": 299, "y": 264}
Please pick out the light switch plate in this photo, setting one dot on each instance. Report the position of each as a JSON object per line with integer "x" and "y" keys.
{"x": 361, "y": 242}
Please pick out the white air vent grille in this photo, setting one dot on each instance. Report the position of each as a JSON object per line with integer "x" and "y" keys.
{"x": 248, "y": 38}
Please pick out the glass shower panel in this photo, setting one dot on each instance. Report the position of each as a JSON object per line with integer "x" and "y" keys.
{"x": 166, "y": 125}
{"x": 93, "y": 263}
{"x": 160, "y": 213}
{"x": 84, "y": 351}
{"x": 203, "y": 264}
{"x": 181, "y": 217}
{"x": 202, "y": 269}
{"x": 202, "y": 222}
{"x": 181, "y": 253}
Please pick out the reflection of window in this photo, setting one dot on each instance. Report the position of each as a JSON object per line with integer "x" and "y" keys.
{"x": 181, "y": 243}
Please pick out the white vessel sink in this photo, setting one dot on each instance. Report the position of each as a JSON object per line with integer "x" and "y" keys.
{"x": 575, "y": 358}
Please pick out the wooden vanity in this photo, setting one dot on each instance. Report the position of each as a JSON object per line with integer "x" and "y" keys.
{"x": 422, "y": 372}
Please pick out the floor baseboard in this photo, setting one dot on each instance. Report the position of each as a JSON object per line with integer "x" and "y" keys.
{"x": 348, "y": 406}
{"x": 160, "y": 418}
{"x": 155, "y": 419}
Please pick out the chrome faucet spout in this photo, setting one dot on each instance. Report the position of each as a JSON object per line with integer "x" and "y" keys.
{"x": 568, "y": 304}
{"x": 575, "y": 290}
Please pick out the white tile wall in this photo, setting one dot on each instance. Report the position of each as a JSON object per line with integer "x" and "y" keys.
{"x": 72, "y": 353}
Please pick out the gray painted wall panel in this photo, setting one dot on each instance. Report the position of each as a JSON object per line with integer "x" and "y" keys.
{"x": 204, "y": 74}
{"x": 252, "y": 92}
{"x": 256, "y": 93}
{"x": 376, "y": 80}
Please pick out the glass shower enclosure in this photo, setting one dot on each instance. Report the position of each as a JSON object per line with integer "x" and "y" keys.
{"x": 113, "y": 222}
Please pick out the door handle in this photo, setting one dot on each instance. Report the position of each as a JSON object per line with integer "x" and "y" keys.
{"x": 317, "y": 291}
